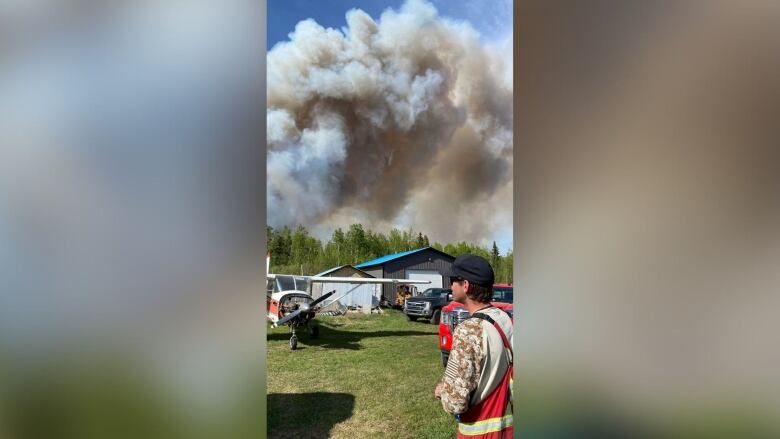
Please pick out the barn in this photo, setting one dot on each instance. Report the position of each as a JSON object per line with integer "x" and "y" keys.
{"x": 425, "y": 263}
{"x": 362, "y": 296}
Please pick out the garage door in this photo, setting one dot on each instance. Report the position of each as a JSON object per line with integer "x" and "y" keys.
{"x": 431, "y": 275}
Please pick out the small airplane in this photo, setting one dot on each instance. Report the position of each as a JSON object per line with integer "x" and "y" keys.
{"x": 290, "y": 302}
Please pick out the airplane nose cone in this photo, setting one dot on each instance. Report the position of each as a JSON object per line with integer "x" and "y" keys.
{"x": 304, "y": 307}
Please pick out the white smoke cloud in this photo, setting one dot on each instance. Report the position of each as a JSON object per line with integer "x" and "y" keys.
{"x": 403, "y": 121}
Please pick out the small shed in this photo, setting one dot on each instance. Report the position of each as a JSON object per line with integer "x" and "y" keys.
{"x": 425, "y": 263}
{"x": 363, "y": 296}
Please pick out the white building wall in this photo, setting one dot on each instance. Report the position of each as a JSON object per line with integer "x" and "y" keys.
{"x": 361, "y": 296}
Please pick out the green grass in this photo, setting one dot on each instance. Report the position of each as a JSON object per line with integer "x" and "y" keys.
{"x": 365, "y": 376}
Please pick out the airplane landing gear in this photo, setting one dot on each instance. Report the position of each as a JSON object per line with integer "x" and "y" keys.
{"x": 293, "y": 340}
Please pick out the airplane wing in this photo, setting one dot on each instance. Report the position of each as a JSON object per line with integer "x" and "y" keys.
{"x": 354, "y": 280}
{"x": 365, "y": 280}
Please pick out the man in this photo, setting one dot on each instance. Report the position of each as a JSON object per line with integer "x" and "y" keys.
{"x": 476, "y": 386}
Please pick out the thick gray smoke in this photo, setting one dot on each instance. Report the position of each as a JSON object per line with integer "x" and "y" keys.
{"x": 405, "y": 121}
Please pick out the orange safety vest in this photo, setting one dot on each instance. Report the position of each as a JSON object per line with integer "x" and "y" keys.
{"x": 492, "y": 417}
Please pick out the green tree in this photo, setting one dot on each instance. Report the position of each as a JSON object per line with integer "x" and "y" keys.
{"x": 408, "y": 240}
{"x": 395, "y": 241}
{"x": 376, "y": 245}
{"x": 280, "y": 247}
{"x": 509, "y": 260}
{"x": 420, "y": 242}
{"x": 296, "y": 252}
{"x": 298, "y": 247}
{"x": 341, "y": 245}
{"x": 356, "y": 243}
{"x": 494, "y": 256}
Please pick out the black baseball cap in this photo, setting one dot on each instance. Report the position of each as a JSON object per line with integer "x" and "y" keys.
{"x": 474, "y": 269}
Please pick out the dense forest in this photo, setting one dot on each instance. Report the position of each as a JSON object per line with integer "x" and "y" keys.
{"x": 296, "y": 252}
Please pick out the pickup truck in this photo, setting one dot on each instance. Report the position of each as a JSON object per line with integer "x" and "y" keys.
{"x": 427, "y": 305}
{"x": 455, "y": 313}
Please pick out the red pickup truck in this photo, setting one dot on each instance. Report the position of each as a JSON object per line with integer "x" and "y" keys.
{"x": 454, "y": 313}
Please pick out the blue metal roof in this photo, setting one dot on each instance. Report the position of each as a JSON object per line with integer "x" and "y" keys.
{"x": 384, "y": 259}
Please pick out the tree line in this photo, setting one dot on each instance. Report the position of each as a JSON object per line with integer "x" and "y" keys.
{"x": 297, "y": 252}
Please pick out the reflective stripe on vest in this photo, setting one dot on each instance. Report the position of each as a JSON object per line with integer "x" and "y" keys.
{"x": 491, "y": 417}
{"x": 484, "y": 427}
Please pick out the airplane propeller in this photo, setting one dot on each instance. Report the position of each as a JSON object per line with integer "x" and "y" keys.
{"x": 291, "y": 316}
{"x": 302, "y": 308}
{"x": 321, "y": 298}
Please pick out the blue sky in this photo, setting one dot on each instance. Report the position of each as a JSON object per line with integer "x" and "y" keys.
{"x": 492, "y": 18}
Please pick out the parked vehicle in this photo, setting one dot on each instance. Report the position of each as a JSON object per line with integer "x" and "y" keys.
{"x": 427, "y": 305}
{"x": 454, "y": 313}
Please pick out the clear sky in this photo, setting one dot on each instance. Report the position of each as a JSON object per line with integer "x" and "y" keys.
{"x": 492, "y": 18}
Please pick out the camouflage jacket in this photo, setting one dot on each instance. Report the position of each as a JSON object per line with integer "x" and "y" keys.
{"x": 464, "y": 366}
{"x": 465, "y": 382}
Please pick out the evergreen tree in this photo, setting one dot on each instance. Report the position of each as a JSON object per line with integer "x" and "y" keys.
{"x": 494, "y": 255}
{"x": 420, "y": 242}
{"x": 280, "y": 247}
{"x": 296, "y": 252}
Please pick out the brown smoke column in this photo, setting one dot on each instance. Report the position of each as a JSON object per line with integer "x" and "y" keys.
{"x": 406, "y": 121}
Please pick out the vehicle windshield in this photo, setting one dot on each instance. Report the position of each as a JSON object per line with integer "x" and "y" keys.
{"x": 502, "y": 294}
{"x": 288, "y": 283}
{"x": 434, "y": 292}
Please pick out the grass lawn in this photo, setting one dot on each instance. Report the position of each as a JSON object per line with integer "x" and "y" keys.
{"x": 365, "y": 376}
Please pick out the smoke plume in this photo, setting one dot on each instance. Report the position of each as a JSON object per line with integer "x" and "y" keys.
{"x": 401, "y": 122}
